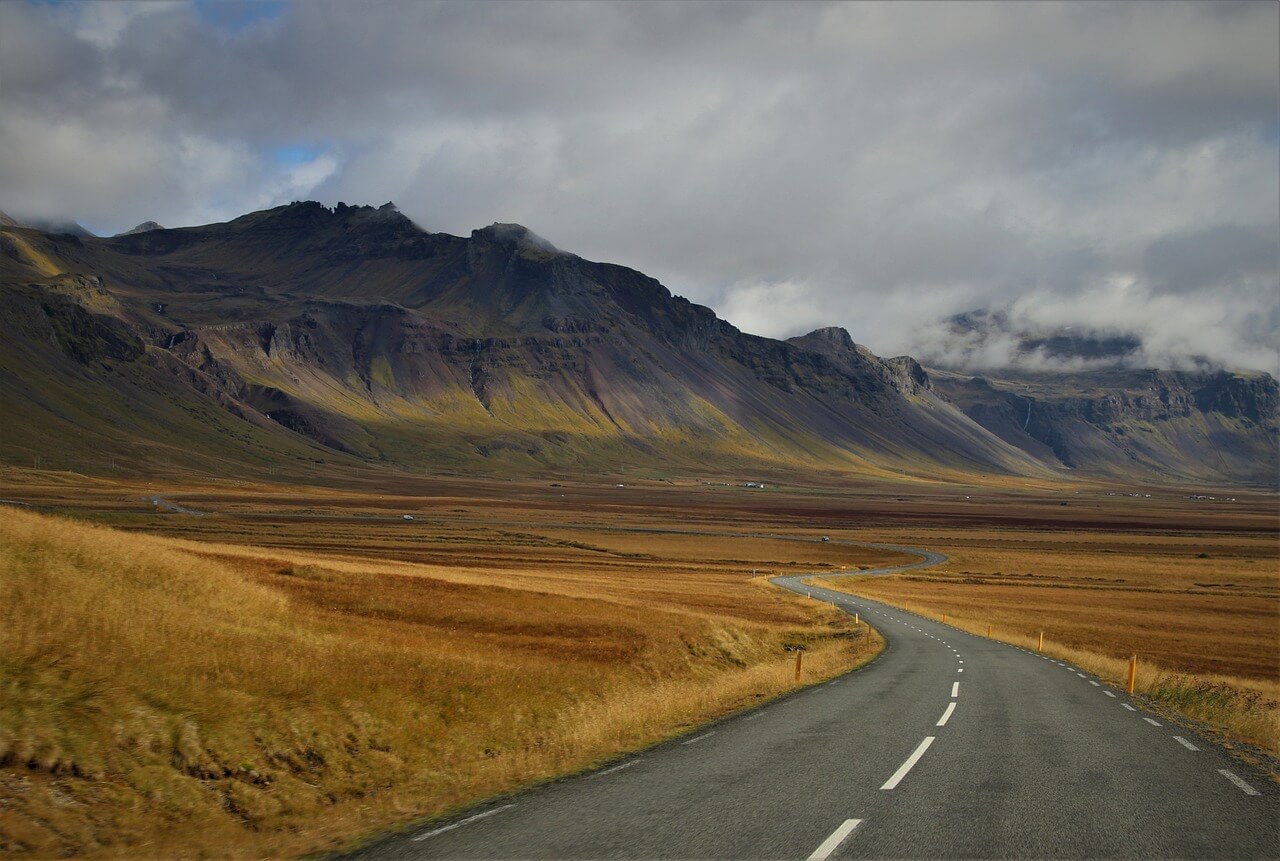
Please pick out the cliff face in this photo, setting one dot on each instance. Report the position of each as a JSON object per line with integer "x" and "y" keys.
{"x": 352, "y": 335}
{"x": 1201, "y": 426}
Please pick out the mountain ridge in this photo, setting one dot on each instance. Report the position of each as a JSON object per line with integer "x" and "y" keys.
{"x": 352, "y": 333}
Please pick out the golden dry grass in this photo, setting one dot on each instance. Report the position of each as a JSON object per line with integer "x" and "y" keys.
{"x": 1201, "y": 610}
{"x": 401, "y": 636}
{"x": 178, "y": 697}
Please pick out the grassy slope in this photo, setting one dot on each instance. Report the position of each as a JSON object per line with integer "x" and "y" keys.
{"x": 97, "y": 420}
{"x": 158, "y": 696}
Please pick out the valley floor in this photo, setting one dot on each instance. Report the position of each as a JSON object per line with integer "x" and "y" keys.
{"x": 274, "y": 670}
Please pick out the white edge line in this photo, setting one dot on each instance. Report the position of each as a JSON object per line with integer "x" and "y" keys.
{"x": 1129, "y": 707}
{"x": 1182, "y": 741}
{"x": 909, "y": 764}
{"x": 616, "y": 768}
{"x": 1238, "y": 781}
{"x": 699, "y": 738}
{"x": 942, "y": 721}
{"x": 462, "y": 822}
{"x": 832, "y": 843}
{"x": 1152, "y": 721}
{"x": 1108, "y": 693}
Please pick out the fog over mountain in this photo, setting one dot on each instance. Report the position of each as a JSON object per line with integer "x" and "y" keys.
{"x": 1112, "y": 168}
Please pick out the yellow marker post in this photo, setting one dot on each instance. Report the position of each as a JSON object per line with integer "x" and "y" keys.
{"x": 988, "y": 632}
{"x": 1133, "y": 671}
{"x": 1040, "y": 648}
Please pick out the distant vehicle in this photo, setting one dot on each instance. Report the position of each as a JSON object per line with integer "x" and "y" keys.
{"x": 824, "y": 538}
{"x": 407, "y": 516}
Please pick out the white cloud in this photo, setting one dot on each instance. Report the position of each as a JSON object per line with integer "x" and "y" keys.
{"x": 777, "y": 309}
{"x": 871, "y": 165}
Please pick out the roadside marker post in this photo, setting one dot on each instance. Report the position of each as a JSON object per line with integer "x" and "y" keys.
{"x": 988, "y": 632}
{"x": 799, "y": 659}
{"x": 1133, "y": 672}
{"x": 1040, "y": 648}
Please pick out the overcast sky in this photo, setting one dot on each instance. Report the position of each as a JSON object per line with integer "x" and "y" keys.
{"x": 873, "y": 166}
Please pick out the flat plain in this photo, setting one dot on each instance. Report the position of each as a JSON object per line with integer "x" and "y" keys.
{"x": 281, "y": 669}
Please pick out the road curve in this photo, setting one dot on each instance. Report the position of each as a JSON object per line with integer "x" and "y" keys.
{"x": 947, "y": 745}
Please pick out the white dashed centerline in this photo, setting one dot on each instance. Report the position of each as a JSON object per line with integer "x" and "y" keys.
{"x": 909, "y": 764}
{"x": 1182, "y": 741}
{"x": 1239, "y": 782}
{"x": 1152, "y": 721}
{"x": 463, "y": 822}
{"x": 1129, "y": 707}
{"x": 832, "y": 843}
{"x": 946, "y": 715}
{"x": 955, "y": 689}
{"x": 698, "y": 738}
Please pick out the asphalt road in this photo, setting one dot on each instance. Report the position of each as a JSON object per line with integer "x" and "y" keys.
{"x": 947, "y": 745}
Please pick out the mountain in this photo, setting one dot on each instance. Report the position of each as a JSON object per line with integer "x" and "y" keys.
{"x": 144, "y": 227}
{"x": 974, "y": 331}
{"x": 47, "y": 225}
{"x": 986, "y": 339}
{"x": 1196, "y": 426}
{"x": 309, "y": 337}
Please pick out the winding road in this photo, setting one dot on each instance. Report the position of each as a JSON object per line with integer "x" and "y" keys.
{"x": 947, "y": 745}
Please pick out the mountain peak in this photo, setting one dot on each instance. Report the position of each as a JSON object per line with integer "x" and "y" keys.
{"x": 518, "y": 235}
{"x": 836, "y": 336}
{"x": 144, "y": 227}
{"x": 387, "y": 209}
{"x": 830, "y": 340}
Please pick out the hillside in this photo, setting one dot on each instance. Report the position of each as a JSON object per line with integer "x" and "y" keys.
{"x": 1133, "y": 423}
{"x": 171, "y": 699}
{"x": 307, "y": 337}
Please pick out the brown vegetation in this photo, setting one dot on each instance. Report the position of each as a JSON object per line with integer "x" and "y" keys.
{"x": 161, "y": 695}
{"x": 1201, "y": 610}
{"x": 303, "y": 664}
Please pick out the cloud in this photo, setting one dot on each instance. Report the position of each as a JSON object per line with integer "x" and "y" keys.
{"x": 780, "y": 306}
{"x": 875, "y": 166}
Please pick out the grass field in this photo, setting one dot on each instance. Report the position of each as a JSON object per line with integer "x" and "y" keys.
{"x": 309, "y": 681}
{"x": 290, "y": 667}
{"x": 1201, "y": 610}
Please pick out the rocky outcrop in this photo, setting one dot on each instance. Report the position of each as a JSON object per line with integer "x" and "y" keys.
{"x": 1217, "y": 425}
{"x": 144, "y": 227}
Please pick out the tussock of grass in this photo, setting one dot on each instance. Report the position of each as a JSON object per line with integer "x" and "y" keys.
{"x": 1242, "y": 708}
{"x": 156, "y": 699}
